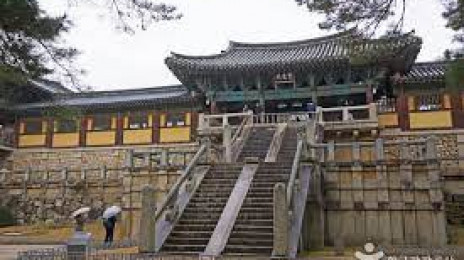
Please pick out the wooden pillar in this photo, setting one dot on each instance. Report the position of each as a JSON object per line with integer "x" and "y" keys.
{"x": 457, "y": 110}
{"x": 262, "y": 101}
{"x": 193, "y": 125}
{"x": 50, "y": 132}
{"x": 119, "y": 128}
{"x": 224, "y": 83}
{"x": 156, "y": 128}
{"x": 402, "y": 109}
{"x": 313, "y": 87}
{"x": 17, "y": 129}
{"x": 369, "y": 94}
{"x": 83, "y": 131}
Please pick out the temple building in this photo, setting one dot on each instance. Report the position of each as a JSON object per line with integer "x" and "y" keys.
{"x": 372, "y": 137}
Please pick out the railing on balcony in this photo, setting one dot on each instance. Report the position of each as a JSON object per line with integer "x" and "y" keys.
{"x": 386, "y": 105}
{"x": 349, "y": 117}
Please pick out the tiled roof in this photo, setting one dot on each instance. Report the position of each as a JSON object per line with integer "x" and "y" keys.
{"x": 313, "y": 53}
{"x": 427, "y": 71}
{"x": 51, "y": 87}
{"x": 177, "y": 94}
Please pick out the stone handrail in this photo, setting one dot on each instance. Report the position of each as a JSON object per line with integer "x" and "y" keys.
{"x": 416, "y": 149}
{"x": 240, "y": 129}
{"x": 294, "y": 172}
{"x": 239, "y": 137}
{"x": 173, "y": 192}
{"x": 205, "y": 121}
{"x": 346, "y": 113}
{"x": 276, "y": 118}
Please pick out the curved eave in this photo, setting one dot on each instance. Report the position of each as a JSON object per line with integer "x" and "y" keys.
{"x": 168, "y": 103}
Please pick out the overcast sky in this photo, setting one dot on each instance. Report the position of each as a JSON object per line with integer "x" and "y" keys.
{"x": 114, "y": 60}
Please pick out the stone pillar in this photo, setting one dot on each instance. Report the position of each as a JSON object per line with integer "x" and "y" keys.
{"x": 331, "y": 152}
{"x": 379, "y": 150}
{"x": 405, "y": 166}
{"x": 147, "y": 233}
{"x": 460, "y": 140}
{"x": 227, "y": 143}
{"x": 356, "y": 152}
{"x": 262, "y": 101}
{"x": 280, "y": 248}
{"x": 315, "y": 213}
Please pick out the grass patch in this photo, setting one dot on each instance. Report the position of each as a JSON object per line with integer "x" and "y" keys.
{"x": 60, "y": 233}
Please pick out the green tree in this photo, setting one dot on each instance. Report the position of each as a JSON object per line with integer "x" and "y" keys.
{"x": 368, "y": 15}
{"x": 30, "y": 39}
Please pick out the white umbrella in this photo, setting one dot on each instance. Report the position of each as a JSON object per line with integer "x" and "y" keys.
{"x": 111, "y": 211}
{"x": 80, "y": 211}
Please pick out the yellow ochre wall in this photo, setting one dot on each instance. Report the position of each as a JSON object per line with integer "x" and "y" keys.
{"x": 31, "y": 140}
{"x": 137, "y": 136}
{"x": 175, "y": 135}
{"x": 388, "y": 120}
{"x": 65, "y": 140}
{"x": 100, "y": 138}
{"x": 431, "y": 119}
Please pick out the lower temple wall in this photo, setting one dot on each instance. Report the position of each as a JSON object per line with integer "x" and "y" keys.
{"x": 387, "y": 204}
{"x": 47, "y": 185}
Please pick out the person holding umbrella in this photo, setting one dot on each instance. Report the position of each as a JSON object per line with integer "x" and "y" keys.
{"x": 109, "y": 222}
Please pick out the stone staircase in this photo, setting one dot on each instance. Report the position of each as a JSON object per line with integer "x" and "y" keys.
{"x": 253, "y": 228}
{"x": 258, "y": 142}
{"x": 252, "y": 232}
{"x": 192, "y": 232}
{"x": 288, "y": 146}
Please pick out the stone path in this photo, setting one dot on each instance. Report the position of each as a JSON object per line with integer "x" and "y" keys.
{"x": 9, "y": 252}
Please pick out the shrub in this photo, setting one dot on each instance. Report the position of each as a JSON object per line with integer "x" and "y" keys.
{"x": 6, "y": 217}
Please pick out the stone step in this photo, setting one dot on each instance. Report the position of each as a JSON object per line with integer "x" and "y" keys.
{"x": 258, "y": 228}
{"x": 248, "y": 249}
{"x": 183, "y": 249}
{"x": 263, "y": 222}
{"x": 191, "y": 235}
{"x": 251, "y": 241}
{"x": 185, "y": 227}
{"x": 255, "y": 215}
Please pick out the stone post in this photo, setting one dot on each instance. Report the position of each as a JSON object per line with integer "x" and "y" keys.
{"x": 147, "y": 233}
{"x": 103, "y": 174}
{"x": 356, "y": 151}
{"x": 164, "y": 157}
{"x": 129, "y": 162}
{"x": 405, "y": 166}
{"x": 227, "y": 143}
{"x": 280, "y": 248}
{"x": 379, "y": 150}
{"x": 331, "y": 152}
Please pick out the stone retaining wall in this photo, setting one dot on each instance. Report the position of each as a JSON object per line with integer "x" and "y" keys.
{"x": 387, "y": 204}
{"x": 47, "y": 185}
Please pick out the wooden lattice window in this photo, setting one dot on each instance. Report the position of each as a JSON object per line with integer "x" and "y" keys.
{"x": 66, "y": 126}
{"x": 101, "y": 122}
{"x": 175, "y": 119}
{"x": 429, "y": 102}
{"x": 138, "y": 120}
{"x": 33, "y": 127}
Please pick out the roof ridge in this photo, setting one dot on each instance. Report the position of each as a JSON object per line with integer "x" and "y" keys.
{"x": 330, "y": 37}
{"x": 122, "y": 91}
